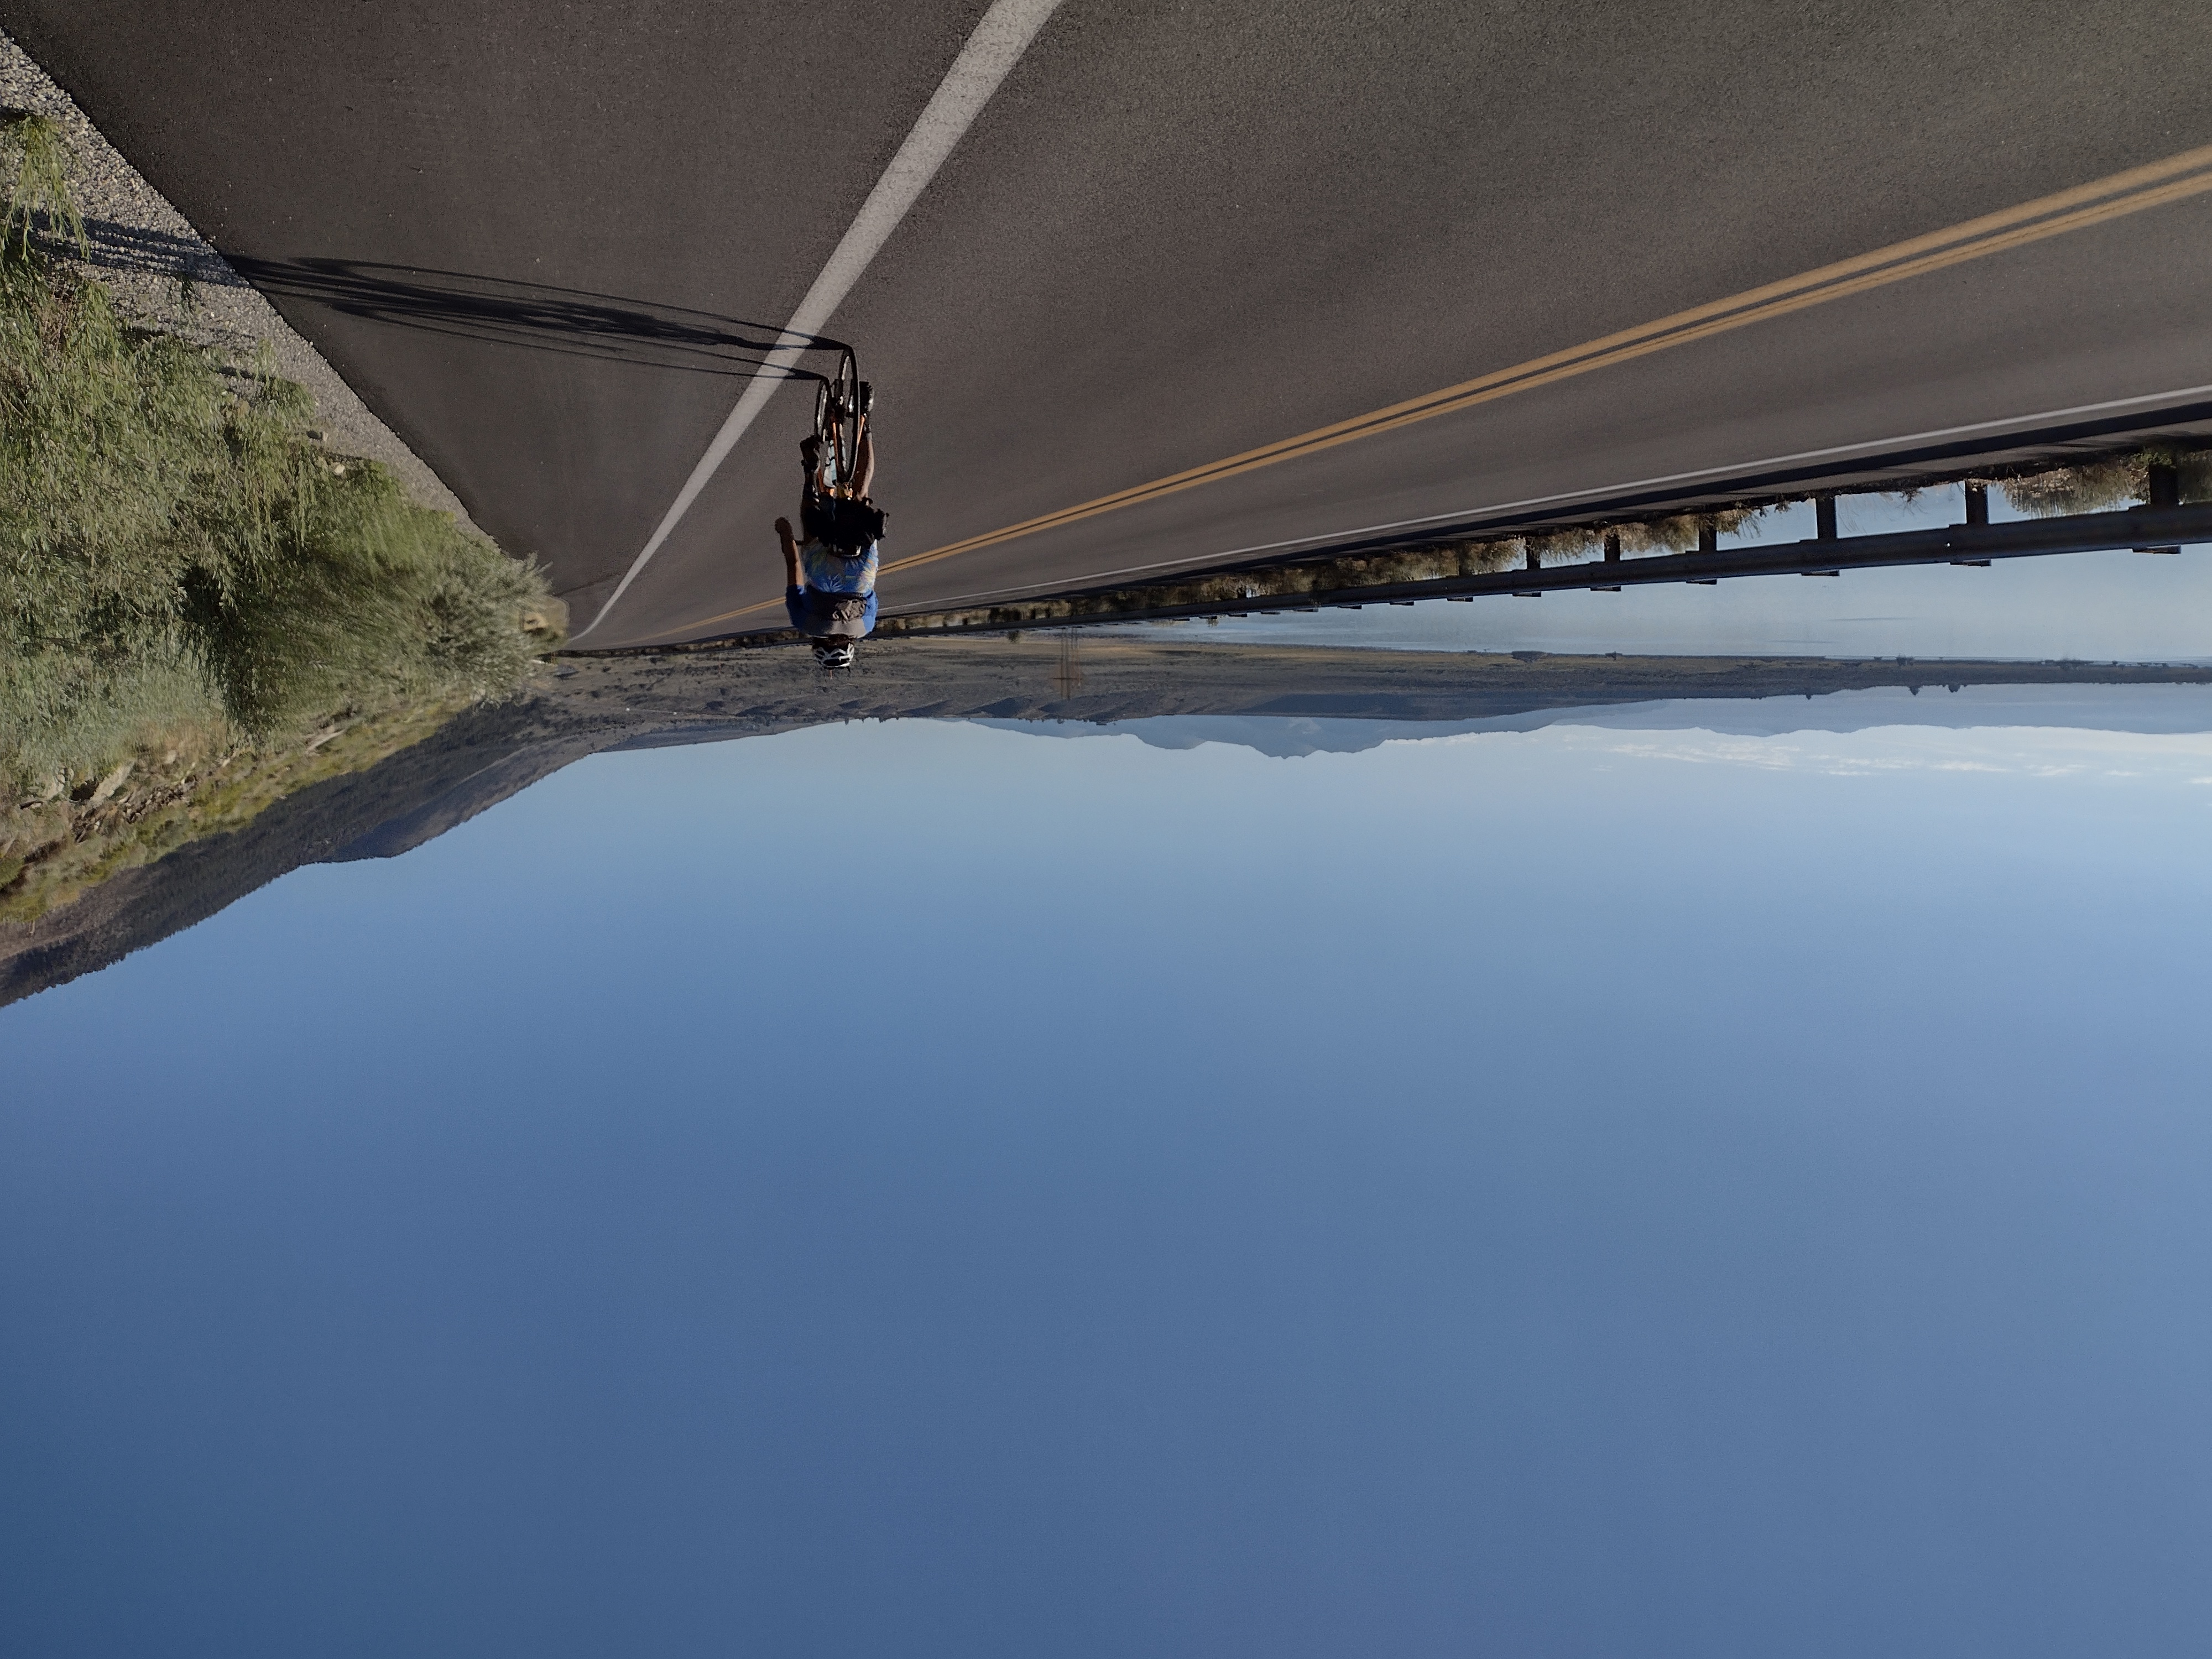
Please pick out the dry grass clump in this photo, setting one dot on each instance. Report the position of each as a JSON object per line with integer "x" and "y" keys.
{"x": 2088, "y": 487}
{"x": 1565, "y": 546}
{"x": 1680, "y": 534}
{"x": 1674, "y": 535}
{"x": 2107, "y": 483}
{"x": 41, "y": 182}
{"x": 2196, "y": 470}
{"x": 1486, "y": 558}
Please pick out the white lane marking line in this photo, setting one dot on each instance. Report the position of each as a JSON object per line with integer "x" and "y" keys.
{"x": 1000, "y": 39}
{"x": 2175, "y": 396}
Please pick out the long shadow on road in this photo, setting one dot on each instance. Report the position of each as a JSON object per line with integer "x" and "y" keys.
{"x": 532, "y": 315}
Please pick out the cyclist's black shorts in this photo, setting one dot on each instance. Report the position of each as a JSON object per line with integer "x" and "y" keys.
{"x": 834, "y": 521}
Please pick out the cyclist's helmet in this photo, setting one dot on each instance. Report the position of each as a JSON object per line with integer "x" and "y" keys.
{"x": 831, "y": 655}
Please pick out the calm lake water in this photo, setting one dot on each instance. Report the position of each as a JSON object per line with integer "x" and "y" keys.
{"x": 1709, "y": 1180}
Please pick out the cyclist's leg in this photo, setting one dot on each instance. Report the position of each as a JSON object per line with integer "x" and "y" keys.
{"x": 864, "y": 471}
{"x": 813, "y": 490}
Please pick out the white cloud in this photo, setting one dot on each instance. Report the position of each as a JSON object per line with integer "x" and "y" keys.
{"x": 2048, "y": 753}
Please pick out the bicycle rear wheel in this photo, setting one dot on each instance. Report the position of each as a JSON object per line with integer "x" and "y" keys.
{"x": 824, "y": 426}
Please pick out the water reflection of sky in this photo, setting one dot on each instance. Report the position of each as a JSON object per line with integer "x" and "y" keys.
{"x": 2100, "y": 607}
{"x": 921, "y": 1189}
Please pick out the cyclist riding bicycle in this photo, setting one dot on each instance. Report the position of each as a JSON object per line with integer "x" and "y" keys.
{"x": 830, "y": 568}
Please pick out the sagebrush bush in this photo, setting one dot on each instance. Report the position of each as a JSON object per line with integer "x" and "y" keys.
{"x": 170, "y": 533}
{"x": 2091, "y": 486}
{"x": 2108, "y": 481}
{"x": 1680, "y": 535}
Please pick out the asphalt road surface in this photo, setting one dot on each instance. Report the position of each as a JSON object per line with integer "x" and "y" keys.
{"x": 547, "y": 244}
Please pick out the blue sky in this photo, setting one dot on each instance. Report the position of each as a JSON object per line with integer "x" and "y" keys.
{"x": 926, "y": 1189}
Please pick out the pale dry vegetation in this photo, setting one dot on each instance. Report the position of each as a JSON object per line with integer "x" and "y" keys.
{"x": 190, "y": 586}
{"x": 2108, "y": 482}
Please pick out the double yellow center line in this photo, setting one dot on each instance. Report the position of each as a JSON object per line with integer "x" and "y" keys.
{"x": 2189, "y": 174}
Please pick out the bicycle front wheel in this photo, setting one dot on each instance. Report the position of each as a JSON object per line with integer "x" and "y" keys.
{"x": 845, "y": 415}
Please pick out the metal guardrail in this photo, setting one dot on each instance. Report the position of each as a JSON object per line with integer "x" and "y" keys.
{"x": 2161, "y": 529}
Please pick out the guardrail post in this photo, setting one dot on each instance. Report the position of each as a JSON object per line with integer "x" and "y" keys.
{"x": 1824, "y": 517}
{"x": 1613, "y": 547}
{"x": 1709, "y": 536}
{"x": 1977, "y": 503}
{"x": 2162, "y": 485}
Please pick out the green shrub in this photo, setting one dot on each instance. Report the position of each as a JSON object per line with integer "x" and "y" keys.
{"x": 173, "y": 547}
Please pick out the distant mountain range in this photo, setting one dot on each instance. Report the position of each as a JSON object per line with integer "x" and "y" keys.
{"x": 2144, "y": 708}
{"x": 1283, "y": 701}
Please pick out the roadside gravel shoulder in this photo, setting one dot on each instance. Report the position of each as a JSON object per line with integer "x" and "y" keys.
{"x": 165, "y": 275}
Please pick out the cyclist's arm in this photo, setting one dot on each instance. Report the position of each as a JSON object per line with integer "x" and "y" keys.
{"x": 790, "y": 553}
{"x": 864, "y": 471}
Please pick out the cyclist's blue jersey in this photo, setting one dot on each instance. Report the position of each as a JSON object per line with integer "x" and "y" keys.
{"x": 826, "y": 570}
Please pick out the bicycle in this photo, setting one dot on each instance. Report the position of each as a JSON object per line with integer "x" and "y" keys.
{"x": 841, "y": 402}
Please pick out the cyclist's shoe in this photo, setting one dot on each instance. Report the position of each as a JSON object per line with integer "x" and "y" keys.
{"x": 867, "y": 398}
